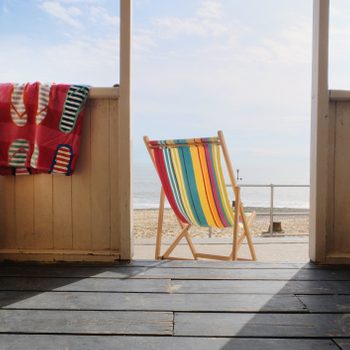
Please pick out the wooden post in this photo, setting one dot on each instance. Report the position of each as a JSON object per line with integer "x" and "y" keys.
{"x": 319, "y": 133}
{"x": 124, "y": 132}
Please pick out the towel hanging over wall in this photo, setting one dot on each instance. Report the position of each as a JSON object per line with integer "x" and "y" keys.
{"x": 40, "y": 126}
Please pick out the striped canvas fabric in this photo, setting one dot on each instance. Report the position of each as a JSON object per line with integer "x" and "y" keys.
{"x": 191, "y": 174}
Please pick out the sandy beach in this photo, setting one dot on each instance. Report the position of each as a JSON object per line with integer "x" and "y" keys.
{"x": 145, "y": 224}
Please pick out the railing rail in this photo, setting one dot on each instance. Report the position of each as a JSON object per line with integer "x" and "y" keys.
{"x": 271, "y": 211}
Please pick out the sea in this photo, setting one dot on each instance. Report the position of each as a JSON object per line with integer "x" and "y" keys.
{"x": 146, "y": 189}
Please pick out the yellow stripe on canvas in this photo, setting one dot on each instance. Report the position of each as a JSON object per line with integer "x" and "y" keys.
{"x": 208, "y": 187}
{"x": 221, "y": 184}
{"x": 201, "y": 186}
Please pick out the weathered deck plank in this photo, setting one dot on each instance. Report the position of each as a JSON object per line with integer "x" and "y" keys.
{"x": 84, "y": 285}
{"x": 326, "y": 303}
{"x": 343, "y": 344}
{"x": 172, "y": 286}
{"x": 72, "y": 284}
{"x": 260, "y": 287}
{"x": 177, "y": 273}
{"x": 86, "y": 322}
{"x": 54, "y": 342}
{"x": 150, "y": 302}
{"x": 262, "y": 325}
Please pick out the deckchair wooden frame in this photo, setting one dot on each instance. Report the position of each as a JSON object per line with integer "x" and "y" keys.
{"x": 184, "y": 233}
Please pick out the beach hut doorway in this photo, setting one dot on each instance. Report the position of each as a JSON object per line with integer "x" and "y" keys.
{"x": 329, "y": 240}
{"x": 193, "y": 79}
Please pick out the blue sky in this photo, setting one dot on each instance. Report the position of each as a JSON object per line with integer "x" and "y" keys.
{"x": 198, "y": 66}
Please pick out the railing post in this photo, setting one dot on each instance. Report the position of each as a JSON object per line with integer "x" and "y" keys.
{"x": 271, "y": 208}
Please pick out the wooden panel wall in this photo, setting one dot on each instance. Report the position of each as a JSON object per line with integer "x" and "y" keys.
{"x": 338, "y": 238}
{"x": 330, "y": 148}
{"x": 55, "y": 217}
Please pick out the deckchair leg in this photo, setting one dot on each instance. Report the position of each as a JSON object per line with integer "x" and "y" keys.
{"x": 160, "y": 224}
{"x": 235, "y": 224}
{"x": 188, "y": 239}
{"x": 176, "y": 241}
{"x": 250, "y": 220}
{"x": 247, "y": 234}
{"x": 191, "y": 245}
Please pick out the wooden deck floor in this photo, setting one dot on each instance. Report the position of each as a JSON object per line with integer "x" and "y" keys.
{"x": 174, "y": 305}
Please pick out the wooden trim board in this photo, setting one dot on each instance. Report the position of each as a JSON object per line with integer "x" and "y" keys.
{"x": 104, "y": 93}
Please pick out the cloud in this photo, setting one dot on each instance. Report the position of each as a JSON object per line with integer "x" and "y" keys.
{"x": 66, "y": 14}
{"x": 100, "y": 15}
{"x": 210, "y": 9}
{"x": 292, "y": 45}
{"x": 253, "y": 83}
{"x": 205, "y": 22}
{"x": 88, "y": 55}
{"x": 171, "y": 27}
{"x": 80, "y": 1}
{"x": 143, "y": 40}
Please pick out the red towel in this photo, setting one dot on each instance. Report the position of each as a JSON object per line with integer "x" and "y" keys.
{"x": 40, "y": 127}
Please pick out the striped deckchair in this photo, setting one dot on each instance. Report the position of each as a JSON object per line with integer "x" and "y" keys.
{"x": 192, "y": 180}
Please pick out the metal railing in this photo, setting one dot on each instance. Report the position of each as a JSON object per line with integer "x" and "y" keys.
{"x": 272, "y": 192}
{"x": 271, "y": 211}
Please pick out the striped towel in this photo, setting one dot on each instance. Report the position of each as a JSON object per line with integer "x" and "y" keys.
{"x": 40, "y": 127}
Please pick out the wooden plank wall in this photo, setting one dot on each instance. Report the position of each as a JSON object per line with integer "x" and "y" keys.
{"x": 329, "y": 161}
{"x": 49, "y": 217}
{"x": 338, "y": 238}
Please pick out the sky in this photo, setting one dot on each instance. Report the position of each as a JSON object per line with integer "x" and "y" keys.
{"x": 198, "y": 66}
